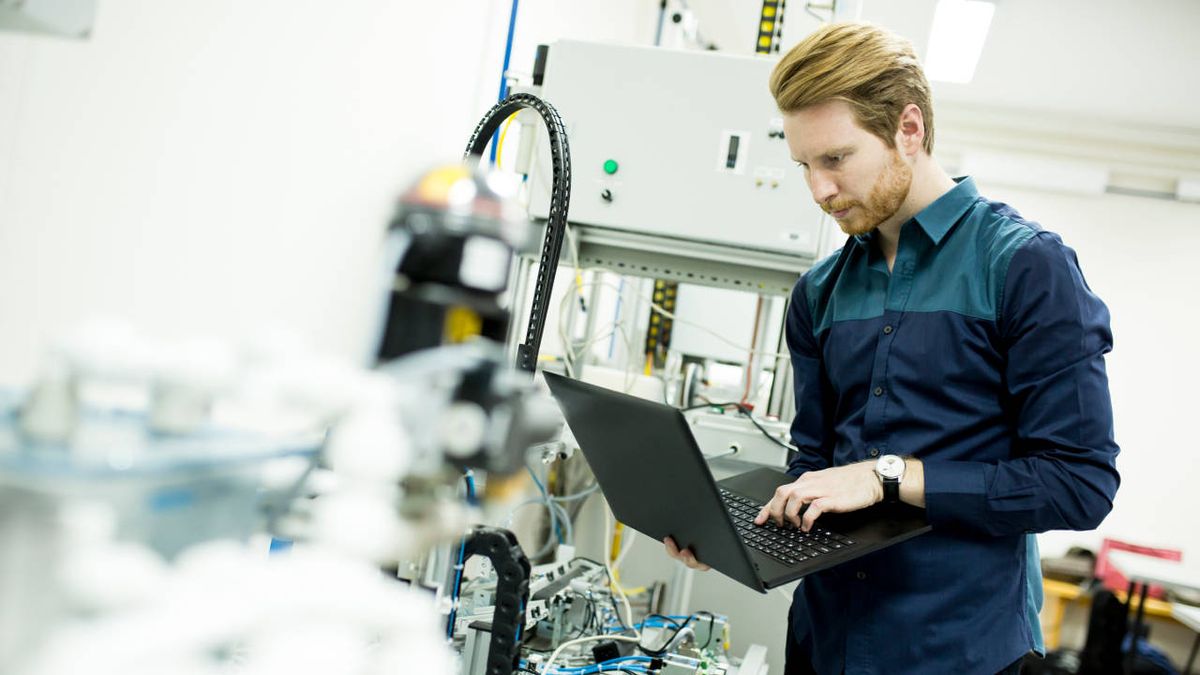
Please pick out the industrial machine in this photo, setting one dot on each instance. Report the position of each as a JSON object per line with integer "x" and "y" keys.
{"x": 681, "y": 169}
{"x": 696, "y": 199}
{"x": 576, "y": 622}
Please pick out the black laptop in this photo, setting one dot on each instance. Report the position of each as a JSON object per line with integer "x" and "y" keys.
{"x": 657, "y": 482}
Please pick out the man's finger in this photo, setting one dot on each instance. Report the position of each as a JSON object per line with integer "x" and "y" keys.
{"x": 689, "y": 559}
{"x": 774, "y": 508}
{"x": 765, "y": 513}
{"x": 762, "y": 516}
{"x": 672, "y": 549}
{"x": 792, "y": 511}
{"x": 814, "y": 511}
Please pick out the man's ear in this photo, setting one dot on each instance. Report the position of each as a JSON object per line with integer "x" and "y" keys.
{"x": 910, "y": 133}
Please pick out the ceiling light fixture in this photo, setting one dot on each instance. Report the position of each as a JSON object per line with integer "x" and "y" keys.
{"x": 956, "y": 39}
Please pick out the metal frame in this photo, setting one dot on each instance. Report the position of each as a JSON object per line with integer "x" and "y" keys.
{"x": 693, "y": 262}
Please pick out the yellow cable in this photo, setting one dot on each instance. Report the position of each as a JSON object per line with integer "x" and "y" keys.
{"x": 613, "y": 554}
{"x": 615, "y": 547}
{"x": 503, "y": 131}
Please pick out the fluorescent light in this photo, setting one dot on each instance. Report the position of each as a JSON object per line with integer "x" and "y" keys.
{"x": 956, "y": 39}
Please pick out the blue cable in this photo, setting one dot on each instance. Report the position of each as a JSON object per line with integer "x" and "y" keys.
{"x": 617, "y": 659}
{"x": 469, "y": 477}
{"x": 599, "y": 667}
{"x": 458, "y": 570}
{"x": 536, "y": 481}
{"x": 662, "y": 14}
{"x": 512, "y": 25}
{"x": 652, "y": 623}
{"x": 279, "y": 546}
{"x": 521, "y": 622}
{"x": 645, "y": 624}
{"x": 595, "y": 669}
{"x": 612, "y": 341}
{"x": 549, "y": 505}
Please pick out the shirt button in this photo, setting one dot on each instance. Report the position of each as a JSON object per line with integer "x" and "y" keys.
{"x": 862, "y": 576}
{"x": 887, "y": 330}
{"x": 879, "y": 391}
{"x": 874, "y": 452}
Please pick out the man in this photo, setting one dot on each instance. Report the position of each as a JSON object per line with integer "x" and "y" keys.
{"x": 952, "y": 345}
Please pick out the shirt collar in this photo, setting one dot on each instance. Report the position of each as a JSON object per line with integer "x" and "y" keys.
{"x": 937, "y": 218}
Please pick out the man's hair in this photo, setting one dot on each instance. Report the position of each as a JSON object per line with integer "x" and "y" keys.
{"x": 874, "y": 70}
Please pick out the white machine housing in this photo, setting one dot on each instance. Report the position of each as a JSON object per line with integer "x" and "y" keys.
{"x": 703, "y": 181}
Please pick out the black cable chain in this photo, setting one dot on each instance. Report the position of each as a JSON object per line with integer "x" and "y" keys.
{"x": 560, "y": 199}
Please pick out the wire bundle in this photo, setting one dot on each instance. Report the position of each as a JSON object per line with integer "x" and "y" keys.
{"x": 634, "y": 664}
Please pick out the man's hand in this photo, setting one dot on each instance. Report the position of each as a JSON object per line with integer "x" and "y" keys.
{"x": 838, "y": 490}
{"x": 684, "y": 556}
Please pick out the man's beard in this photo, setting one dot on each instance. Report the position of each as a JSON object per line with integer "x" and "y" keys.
{"x": 889, "y": 192}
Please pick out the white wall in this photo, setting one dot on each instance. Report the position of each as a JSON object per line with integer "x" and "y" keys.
{"x": 212, "y": 166}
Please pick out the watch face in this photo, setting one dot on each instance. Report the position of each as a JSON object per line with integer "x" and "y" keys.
{"x": 890, "y": 466}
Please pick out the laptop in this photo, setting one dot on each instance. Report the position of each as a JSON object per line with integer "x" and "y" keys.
{"x": 657, "y": 482}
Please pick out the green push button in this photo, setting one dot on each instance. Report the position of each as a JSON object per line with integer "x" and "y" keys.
{"x": 610, "y": 167}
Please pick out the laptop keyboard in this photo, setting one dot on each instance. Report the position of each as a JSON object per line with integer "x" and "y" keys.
{"x": 788, "y": 544}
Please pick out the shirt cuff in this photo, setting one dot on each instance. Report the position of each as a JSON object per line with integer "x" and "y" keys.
{"x": 955, "y": 492}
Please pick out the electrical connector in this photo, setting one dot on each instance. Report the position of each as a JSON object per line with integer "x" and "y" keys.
{"x": 606, "y": 651}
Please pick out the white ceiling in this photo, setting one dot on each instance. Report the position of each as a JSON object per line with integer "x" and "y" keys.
{"x": 1097, "y": 59}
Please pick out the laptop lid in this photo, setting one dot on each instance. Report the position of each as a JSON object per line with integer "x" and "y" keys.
{"x": 652, "y": 473}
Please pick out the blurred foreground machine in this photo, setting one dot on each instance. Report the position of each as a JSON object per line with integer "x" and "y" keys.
{"x": 135, "y": 474}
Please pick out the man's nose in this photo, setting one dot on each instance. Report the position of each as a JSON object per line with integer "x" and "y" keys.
{"x": 823, "y": 189}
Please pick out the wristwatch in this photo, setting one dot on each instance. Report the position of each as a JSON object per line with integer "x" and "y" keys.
{"x": 890, "y": 469}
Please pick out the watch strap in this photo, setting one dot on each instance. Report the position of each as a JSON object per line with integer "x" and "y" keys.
{"x": 891, "y": 490}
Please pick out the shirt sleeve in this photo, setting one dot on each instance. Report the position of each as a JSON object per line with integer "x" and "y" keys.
{"x": 1061, "y": 473}
{"x": 810, "y": 431}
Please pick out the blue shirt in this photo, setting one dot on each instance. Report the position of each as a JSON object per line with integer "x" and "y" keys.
{"x": 982, "y": 354}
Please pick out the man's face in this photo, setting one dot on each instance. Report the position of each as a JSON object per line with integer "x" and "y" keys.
{"x": 853, "y": 175}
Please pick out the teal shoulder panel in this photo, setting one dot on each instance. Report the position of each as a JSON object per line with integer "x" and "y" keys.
{"x": 843, "y": 288}
{"x": 818, "y": 278}
{"x": 965, "y": 273}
